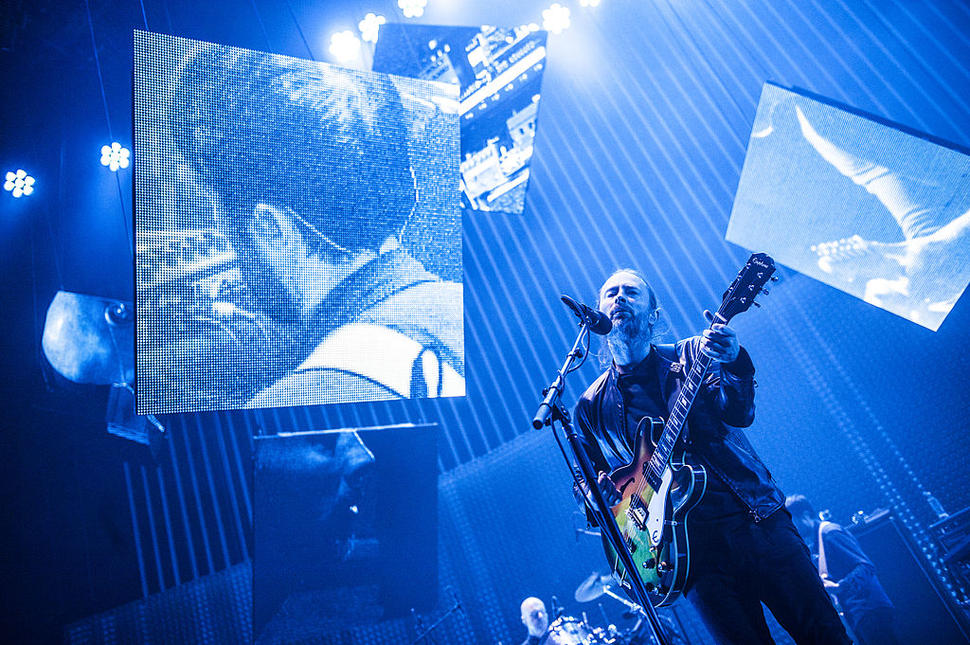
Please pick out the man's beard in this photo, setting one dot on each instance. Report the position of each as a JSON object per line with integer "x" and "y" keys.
{"x": 267, "y": 293}
{"x": 629, "y": 333}
{"x": 631, "y": 330}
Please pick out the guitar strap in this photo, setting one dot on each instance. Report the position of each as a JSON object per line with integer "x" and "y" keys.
{"x": 823, "y": 567}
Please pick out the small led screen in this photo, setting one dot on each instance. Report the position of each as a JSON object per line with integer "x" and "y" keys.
{"x": 866, "y": 208}
{"x": 298, "y": 231}
{"x": 499, "y": 73}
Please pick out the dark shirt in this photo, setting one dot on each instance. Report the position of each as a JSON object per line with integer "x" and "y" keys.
{"x": 724, "y": 405}
{"x": 859, "y": 591}
{"x": 642, "y": 397}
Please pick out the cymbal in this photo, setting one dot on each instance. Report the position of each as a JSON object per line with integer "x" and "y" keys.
{"x": 592, "y": 587}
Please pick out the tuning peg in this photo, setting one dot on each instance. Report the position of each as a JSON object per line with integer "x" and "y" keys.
{"x": 765, "y": 291}
{"x": 775, "y": 278}
{"x": 756, "y": 303}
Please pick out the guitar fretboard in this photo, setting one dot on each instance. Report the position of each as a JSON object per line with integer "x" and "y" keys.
{"x": 678, "y": 416}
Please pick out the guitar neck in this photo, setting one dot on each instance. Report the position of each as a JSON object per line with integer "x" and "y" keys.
{"x": 678, "y": 417}
{"x": 738, "y": 298}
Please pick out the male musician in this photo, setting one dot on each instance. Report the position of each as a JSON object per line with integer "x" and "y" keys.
{"x": 535, "y": 619}
{"x": 309, "y": 173}
{"x": 744, "y": 550}
{"x": 846, "y": 573}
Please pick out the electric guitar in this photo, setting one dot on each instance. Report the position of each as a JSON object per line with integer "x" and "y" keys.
{"x": 659, "y": 488}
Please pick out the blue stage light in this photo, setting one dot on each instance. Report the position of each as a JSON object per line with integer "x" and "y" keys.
{"x": 19, "y": 183}
{"x": 345, "y": 46}
{"x": 115, "y": 156}
{"x": 555, "y": 19}
{"x": 412, "y": 8}
{"x": 370, "y": 26}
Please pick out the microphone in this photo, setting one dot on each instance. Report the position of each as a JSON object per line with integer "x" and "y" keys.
{"x": 598, "y": 322}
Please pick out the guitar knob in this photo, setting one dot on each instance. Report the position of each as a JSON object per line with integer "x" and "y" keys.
{"x": 648, "y": 564}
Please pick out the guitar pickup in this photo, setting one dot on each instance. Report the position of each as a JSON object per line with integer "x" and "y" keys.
{"x": 638, "y": 516}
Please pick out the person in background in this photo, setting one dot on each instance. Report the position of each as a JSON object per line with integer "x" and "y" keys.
{"x": 535, "y": 619}
{"x": 847, "y": 574}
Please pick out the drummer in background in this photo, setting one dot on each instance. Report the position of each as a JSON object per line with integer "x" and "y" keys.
{"x": 536, "y": 620}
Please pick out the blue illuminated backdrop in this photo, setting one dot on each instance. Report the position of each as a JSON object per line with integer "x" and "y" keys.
{"x": 647, "y": 110}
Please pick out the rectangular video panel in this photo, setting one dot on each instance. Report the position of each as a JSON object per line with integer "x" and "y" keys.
{"x": 863, "y": 207}
{"x": 345, "y": 530}
{"x": 298, "y": 231}
{"x": 499, "y": 73}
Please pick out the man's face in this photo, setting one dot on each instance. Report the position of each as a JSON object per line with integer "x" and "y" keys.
{"x": 534, "y": 616}
{"x": 625, "y": 298}
{"x": 259, "y": 264}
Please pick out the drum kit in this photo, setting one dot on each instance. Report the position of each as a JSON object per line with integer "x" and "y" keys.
{"x": 568, "y": 630}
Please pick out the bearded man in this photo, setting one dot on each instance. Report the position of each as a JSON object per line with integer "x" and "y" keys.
{"x": 744, "y": 549}
{"x": 309, "y": 173}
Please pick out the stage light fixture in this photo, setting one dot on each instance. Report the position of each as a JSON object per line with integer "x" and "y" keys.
{"x": 412, "y": 8}
{"x": 344, "y": 46}
{"x": 115, "y": 156}
{"x": 370, "y": 26}
{"x": 90, "y": 339}
{"x": 19, "y": 183}
{"x": 555, "y": 19}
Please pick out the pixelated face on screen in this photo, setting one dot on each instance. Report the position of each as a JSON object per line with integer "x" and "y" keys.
{"x": 298, "y": 231}
{"x": 866, "y": 208}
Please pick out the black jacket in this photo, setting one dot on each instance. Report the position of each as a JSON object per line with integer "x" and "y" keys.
{"x": 724, "y": 405}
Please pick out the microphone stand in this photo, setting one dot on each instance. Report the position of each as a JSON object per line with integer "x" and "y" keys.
{"x": 423, "y": 633}
{"x": 550, "y": 411}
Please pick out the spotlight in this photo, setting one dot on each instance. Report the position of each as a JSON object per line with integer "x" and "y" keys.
{"x": 369, "y": 27}
{"x": 19, "y": 183}
{"x": 344, "y": 46}
{"x": 412, "y": 8}
{"x": 555, "y": 19}
{"x": 115, "y": 156}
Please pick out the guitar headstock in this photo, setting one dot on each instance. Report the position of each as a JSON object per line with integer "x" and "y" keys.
{"x": 751, "y": 281}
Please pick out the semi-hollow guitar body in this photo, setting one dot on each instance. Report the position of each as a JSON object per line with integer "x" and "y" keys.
{"x": 654, "y": 522}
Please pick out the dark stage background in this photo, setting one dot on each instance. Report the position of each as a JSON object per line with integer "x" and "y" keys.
{"x": 645, "y": 114}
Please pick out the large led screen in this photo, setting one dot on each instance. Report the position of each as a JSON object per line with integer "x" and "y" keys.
{"x": 499, "y": 73}
{"x": 864, "y": 207}
{"x": 298, "y": 231}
